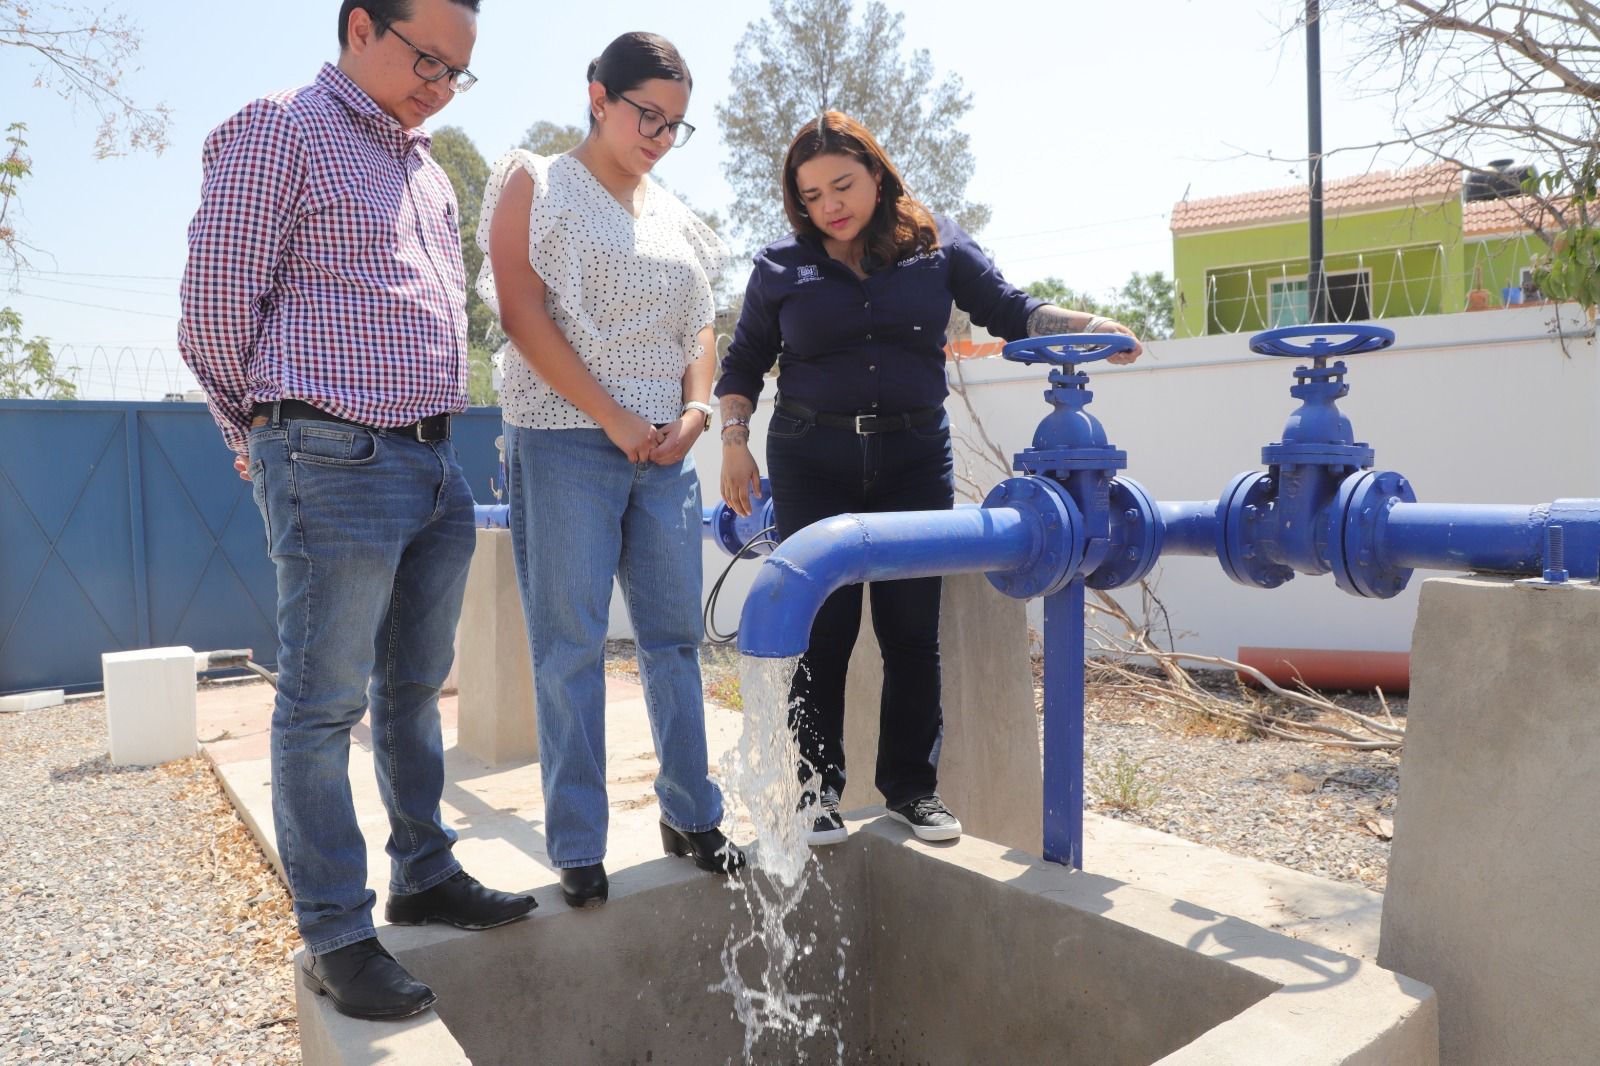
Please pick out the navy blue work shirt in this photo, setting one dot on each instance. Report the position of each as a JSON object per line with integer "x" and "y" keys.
{"x": 849, "y": 345}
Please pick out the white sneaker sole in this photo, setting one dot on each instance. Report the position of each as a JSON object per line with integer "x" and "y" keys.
{"x": 928, "y": 832}
{"x": 831, "y": 836}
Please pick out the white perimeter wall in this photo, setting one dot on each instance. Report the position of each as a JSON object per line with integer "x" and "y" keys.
{"x": 1473, "y": 408}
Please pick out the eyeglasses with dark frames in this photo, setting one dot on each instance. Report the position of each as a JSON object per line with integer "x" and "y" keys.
{"x": 432, "y": 68}
{"x": 653, "y": 124}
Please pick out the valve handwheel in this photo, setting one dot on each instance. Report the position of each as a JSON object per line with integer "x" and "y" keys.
{"x": 1068, "y": 349}
{"x": 1357, "y": 340}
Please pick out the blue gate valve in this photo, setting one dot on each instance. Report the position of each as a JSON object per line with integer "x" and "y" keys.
{"x": 1319, "y": 506}
{"x": 1070, "y": 457}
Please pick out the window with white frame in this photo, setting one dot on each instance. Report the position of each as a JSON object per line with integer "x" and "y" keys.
{"x": 1349, "y": 296}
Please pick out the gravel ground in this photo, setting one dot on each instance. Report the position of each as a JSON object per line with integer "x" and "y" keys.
{"x": 139, "y": 923}
{"x": 1319, "y": 810}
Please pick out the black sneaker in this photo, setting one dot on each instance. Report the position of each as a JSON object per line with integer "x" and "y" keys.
{"x": 928, "y": 818}
{"x": 828, "y": 828}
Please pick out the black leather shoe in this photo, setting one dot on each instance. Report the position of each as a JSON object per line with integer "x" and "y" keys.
{"x": 585, "y": 886}
{"x": 460, "y": 901}
{"x": 364, "y": 981}
{"x": 710, "y": 850}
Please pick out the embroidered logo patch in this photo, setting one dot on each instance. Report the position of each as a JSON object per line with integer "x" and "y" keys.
{"x": 807, "y": 272}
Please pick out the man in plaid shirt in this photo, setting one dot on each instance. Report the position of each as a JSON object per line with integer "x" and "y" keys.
{"x": 324, "y": 313}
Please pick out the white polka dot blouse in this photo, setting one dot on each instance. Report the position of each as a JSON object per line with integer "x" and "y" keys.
{"x": 630, "y": 294}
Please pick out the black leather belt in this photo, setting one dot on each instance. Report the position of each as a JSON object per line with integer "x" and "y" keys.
{"x": 864, "y": 423}
{"x": 426, "y": 430}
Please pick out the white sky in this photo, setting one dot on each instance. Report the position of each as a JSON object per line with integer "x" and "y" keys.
{"x": 1089, "y": 120}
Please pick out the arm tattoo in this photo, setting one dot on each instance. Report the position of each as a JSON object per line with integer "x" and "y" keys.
{"x": 1048, "y": 320}
{"x": 736, "y": 406}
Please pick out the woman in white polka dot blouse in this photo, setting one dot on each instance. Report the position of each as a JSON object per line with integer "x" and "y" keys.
{"x": 602, "y": 280}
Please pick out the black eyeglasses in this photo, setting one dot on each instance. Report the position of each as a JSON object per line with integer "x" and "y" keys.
{"x": 432, "y": 68}
{"x": 653, "y": 124}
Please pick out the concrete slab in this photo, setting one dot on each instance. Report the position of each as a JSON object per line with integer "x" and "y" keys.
{"x": 1495, "y": 854}
{"x": 32, "y": 701}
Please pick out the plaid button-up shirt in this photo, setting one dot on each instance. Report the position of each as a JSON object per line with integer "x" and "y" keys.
{"x": 324, "y": 264}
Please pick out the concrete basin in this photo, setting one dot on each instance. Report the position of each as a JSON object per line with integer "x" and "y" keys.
{"x": 961, "y": 954}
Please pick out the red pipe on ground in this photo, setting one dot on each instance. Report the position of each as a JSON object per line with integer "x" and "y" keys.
{"x": 1324, "y": 669}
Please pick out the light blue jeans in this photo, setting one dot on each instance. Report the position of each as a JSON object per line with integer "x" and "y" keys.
{"x": 371, "y": 535}
{"x": 581, "y": 514}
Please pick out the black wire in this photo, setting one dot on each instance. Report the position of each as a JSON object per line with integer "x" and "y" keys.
{"x": 712, "y": 636}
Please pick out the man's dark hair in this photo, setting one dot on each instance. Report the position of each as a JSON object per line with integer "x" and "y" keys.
{"x": 382, "y": 12}
{"x": 635, "y": 58}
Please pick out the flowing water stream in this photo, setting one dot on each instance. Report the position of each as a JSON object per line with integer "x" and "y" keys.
{"x": 764, "y": 963}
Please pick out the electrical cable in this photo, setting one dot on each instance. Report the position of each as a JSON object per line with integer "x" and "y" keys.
{"x": 706, "y": 624}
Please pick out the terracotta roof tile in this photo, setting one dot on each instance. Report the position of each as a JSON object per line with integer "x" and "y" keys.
{"x": 1432, "y": 184}
{"x": 1484, "y": 218}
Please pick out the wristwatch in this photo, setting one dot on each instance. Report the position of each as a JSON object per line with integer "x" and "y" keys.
{"x": 704, "y": 408}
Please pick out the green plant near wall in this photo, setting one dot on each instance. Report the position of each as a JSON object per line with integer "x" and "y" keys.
{"x": 1571, "y": 270}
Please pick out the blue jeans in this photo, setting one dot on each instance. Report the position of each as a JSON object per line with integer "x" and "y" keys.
{"x": 581, "y": 514}
{"x": 371, "y": 534}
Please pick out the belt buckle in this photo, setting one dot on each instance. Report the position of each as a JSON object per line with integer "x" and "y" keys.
{"x": 860, "y": 432}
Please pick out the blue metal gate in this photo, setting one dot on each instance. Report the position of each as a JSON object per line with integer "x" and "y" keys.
{"x": 124, "y": 525}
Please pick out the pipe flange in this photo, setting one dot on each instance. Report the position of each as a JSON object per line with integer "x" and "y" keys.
{"x": 733, "y": 531}
{"x": 1360, "y": 509}
{"x": 1242, "y": 513}
{"x": 1057, "y": 531}
{"x": 1137, "y": 531}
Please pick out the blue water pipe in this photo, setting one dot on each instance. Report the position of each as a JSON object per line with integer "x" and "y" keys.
{"x": 1071, "y": 522}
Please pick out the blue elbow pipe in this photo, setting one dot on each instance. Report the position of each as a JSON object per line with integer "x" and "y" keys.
{"x": 793, "y": 582}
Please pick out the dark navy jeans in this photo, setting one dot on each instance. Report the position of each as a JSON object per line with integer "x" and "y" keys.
{"x": 818, "y": 472}
{"x": 371, "y": 534}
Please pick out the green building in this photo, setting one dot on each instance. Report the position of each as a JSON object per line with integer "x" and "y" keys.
{"x": 1424, "y": 241}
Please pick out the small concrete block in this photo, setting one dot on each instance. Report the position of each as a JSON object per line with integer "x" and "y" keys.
{"x": 32, "y": 701}
{"x": 150, "y": 705}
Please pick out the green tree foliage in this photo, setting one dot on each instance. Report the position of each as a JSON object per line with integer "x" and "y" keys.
{"x": 27, "y": 367}
{"x": 454, "y": 151}
{"x": 1143, "y": 304}
{"x": 1571, "y": 269}
{"x": 15, "y": 167}
{"x": 811, "y": 55}
{"x": 1055, "y": 291}
{"x": 550, "y": 138}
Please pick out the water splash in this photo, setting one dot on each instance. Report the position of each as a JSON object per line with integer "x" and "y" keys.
{"x": 765, "y": 963}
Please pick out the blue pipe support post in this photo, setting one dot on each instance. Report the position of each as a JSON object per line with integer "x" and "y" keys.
{"x": 1123, "y": 531}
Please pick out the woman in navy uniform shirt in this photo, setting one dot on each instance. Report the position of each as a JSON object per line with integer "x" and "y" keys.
{"x": 853, "y": 308}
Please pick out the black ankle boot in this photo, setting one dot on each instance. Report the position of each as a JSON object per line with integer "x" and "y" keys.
{"x": 710, "y": 850}
{"x": 363, "y": 981}
{"x": 585, "y": 886}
